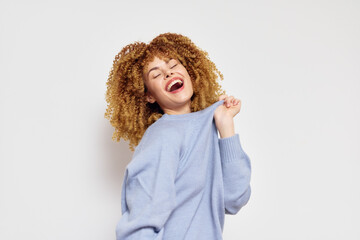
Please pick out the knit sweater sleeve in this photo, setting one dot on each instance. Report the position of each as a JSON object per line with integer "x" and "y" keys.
{"x": 150, "y": 190}
{"x": 236, "y": 170}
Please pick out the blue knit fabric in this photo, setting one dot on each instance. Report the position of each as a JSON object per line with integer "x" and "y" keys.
{"x": 183, "y": 179}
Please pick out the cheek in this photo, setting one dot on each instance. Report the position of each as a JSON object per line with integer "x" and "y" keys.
{"x": 187, "y": 73}
{"x": 151, "y": 87}
{"x": 156, "y": 86}
{"x": 184, "y": 71}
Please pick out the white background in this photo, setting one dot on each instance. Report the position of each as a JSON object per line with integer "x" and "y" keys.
{"x": 294, "y": 65}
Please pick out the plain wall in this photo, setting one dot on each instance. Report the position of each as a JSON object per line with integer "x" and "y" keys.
{"x": 293, "y": 64}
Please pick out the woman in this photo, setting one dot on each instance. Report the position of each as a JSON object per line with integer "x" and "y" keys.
{"x": 165, "y": 99}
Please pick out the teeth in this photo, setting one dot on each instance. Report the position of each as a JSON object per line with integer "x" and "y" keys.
{"x": 172, "y": 83}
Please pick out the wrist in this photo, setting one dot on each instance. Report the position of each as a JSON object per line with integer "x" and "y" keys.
{"x": 227, "y": 129}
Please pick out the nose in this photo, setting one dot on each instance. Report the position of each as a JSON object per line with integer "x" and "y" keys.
{"x": 168, "y": 74}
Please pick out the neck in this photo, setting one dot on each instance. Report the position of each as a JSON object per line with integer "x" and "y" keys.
{"x": 180, "y": 110}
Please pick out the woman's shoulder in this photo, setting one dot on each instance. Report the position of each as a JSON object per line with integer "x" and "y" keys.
{"x": 158, "y": 141}
{"x": 161, "y": 133}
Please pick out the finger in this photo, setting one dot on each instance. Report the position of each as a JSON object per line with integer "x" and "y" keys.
{"x": 222, "y": 97}
{"x": 229, "y": 101}
{"x": 238, "y": 102}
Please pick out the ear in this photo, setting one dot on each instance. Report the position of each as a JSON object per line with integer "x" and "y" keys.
{"x": 150, "y": 98}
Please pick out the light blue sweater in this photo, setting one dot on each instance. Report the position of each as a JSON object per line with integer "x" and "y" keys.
{"x": 183, "y": 179}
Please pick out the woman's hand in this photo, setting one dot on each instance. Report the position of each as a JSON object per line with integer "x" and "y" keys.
{"x": 224, "y": 115}
{"x": 230, "y": 108}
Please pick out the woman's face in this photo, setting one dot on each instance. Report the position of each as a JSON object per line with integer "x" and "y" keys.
{"x": 169, "y": 84}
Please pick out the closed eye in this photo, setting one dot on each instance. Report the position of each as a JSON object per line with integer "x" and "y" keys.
{"x": 171, "y": 67}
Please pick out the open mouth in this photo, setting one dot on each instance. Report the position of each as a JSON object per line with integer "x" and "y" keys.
{"x": 175, "y": 85}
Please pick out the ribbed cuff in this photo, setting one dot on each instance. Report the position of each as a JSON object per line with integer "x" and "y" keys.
{"x": 230, "y": 148}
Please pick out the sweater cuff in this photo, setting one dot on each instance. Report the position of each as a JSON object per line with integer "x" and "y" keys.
{"x": 230, "y": 148}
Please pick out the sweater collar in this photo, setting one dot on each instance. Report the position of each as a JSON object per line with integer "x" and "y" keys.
{"x": 192, "y": 114}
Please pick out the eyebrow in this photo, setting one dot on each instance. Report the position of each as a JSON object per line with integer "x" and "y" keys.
{"x": 154, "y": 68}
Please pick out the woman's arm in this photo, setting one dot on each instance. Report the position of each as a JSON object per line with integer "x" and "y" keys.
{"x": 236, "y": 167}
{"x": 150, "y": 191}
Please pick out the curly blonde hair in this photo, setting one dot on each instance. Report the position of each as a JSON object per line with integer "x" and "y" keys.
{"x": 128, "y": 110}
